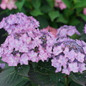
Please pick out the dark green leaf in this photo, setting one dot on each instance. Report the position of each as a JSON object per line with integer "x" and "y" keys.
{"x": 80, "y": 3}
{"x": 23, "y": 70}
{"x": 75, "y": 36}
{"x": 51, "y": 3}
{"x": 68, "y": 13}
{"x": 44, "y": 75}
{"x": 76, "y": 1}
{"x": 10, "y": 78}
{"x": 83, "y": 16}
{"x": 36, "y": 12}
{"x": 74, "y": 21}
{"x": 68, "y": 3}
{"x": 36, "y": 3}
{"x": 79, "y": 78}
{"x": 48, "y": 9}
{"x": 46, "y": 79}
{"x": 43, "y": 21}
{"x": 80, "y": 27}
{"x": 74, "y": 84}
{"x": 53, "y": 15}
{"x": 20, "y": 4}
{"x": 61, "y": 19}
{"x": 24, "y": 83}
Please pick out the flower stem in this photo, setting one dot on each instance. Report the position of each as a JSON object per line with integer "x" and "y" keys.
{"x": 66, "y": 80}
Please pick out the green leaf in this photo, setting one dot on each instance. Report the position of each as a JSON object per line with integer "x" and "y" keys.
{"x": 68, "y": 13}
{"x": 80, "y": 3}
{"x": 78, "y": 11}
{"x": 36, "y": 12}
{"x": 40, "y": 79}
{"x": 61, "y": 19}
{"x": 75, "y": 1}
{"x": 9, "y": 77}
{"x": 53, "y": 15}
{"x": 51, "y": 3}
{"x": 33, "y": 84}
{"x": 23, "y": 83}
{"x": 80, "y": 27}
{"x": 44, "y": 79}
{"x": 43, "y": 21}
{"x": 58, "y": 79}
{"x": 48, "y": 9}
{"x": 79, "y": 78}
{"x": 68, "y": 3}
{"x": 74, "y": 21}
{"x": 83, "y": 16}
{"x": 44, "y": 75}
{"x": 36, "y": 3}
{"x": 23, "y": 70}
{"x": 20, "y": 4}
{"x": 83, "y": 37}
{"x": 75, "y": 36}
{"x": 74, "y": 84}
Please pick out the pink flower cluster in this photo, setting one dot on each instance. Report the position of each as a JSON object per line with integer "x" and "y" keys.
{"x": 84, "y": 11}
{"x": 2, "y": 65}
{"x": 52, "y": 30}
{"x": 65, "y": 31}
{"x": 60, "y": 4}
{"x": 69, "y": 56}
{"x": 18, "y": 22}
{"x": 10, "y": 4}
{"x": 85, "y": 29}
{"x": 26, "y": 42}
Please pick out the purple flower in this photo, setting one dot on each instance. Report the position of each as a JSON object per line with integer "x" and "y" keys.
{"x": 68, "y": 56}
{"x": 19, "y": 21}
{"x": 2, "y": 65}
{"x": 24, "y": 46}
{"x": 60, "y": 4}
{"x": 65, "y": 31}
{"x": 85, "y": 29}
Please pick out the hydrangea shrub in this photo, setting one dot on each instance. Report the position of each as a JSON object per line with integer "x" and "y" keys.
{"x": 43, "y": 43}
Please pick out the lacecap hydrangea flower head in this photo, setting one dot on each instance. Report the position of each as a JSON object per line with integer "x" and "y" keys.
{"x": 69, "y": 56}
